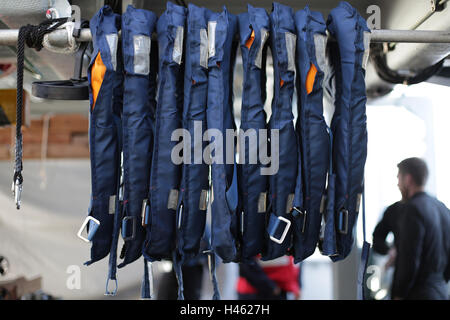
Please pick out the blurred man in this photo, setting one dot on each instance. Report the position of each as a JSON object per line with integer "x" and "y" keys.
{"x": 268, "y": 280}
{"x": 422, "y": 265}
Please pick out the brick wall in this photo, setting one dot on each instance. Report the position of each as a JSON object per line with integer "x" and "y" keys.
{"x": 67, "y": 138}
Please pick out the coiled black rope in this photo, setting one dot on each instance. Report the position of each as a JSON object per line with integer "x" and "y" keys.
{"x": 32, "y": 36}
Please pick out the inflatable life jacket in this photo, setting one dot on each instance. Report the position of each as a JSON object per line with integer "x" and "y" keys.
{"x": 254, "y": 27}
{"x": 282, "y": 184}
{"x": 191, "y": 212}
{"x": 222, "y": 28}
{"x": 138, "y": 125}
{"x": 348, "y": 59}
{"x": 104, "y": 74}
{"x": 159, "y": 219}
{"x": 312, "y": 131}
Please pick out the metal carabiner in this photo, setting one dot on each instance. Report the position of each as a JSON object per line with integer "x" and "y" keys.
{"x": 16, "y": 189}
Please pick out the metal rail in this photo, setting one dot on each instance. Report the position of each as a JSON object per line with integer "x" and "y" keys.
{"x": 59, "y": 38}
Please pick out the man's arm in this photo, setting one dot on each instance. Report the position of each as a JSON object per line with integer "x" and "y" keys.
{"x": 409, "y": 253}
{"x": 382, "y": 230}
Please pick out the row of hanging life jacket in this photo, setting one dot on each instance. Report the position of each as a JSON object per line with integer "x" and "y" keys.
{"x": 142, "y": 90}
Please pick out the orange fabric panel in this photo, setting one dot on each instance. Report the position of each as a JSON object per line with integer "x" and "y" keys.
{"x": 281, "y": 82}
{"x": 310, "y": 78}
{"x": 97, "y": 74}
{"x": 250, "y": 40}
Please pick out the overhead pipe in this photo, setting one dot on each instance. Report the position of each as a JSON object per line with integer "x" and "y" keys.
{"x": 8, "y": 37}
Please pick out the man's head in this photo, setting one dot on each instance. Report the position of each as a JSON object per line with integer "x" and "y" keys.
{"x": 412, "y": 176}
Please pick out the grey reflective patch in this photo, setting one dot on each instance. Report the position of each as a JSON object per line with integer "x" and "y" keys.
{"x": 144, "y": 206}
{"x": 358, "y": 202}
{"x": 178, "y": 45}
{"x": 172, "y": 202}
{"x": 262, "y": 202}
{"x": 289, "y": 202}
{"x": 202, "y": 205}
{"x": 322, "y": 203}
{"x": 112, "y": 204}
{"x": 264, "y": 37}
{"x": 212, "y": 38}
{"x": 141, "y": 54}
{"x": 112, "y": 40}
{"x": 203, "y": 48}
{"x": 320, "y": 43}
{"x": 291, "y": 43}
{"x": 365, "y": 59}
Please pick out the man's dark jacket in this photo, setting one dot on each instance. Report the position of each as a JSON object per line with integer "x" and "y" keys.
{"x": 423, "y": 260}
{"x": 389, "y": 223}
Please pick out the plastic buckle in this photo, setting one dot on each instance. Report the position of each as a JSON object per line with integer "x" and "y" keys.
{"x": 275, "y": 227}
{"x": 296, "y": 212}
{"x": 124, "y": 228}
{"x": 343, "y": 221}
{"x": 92, "y": 228}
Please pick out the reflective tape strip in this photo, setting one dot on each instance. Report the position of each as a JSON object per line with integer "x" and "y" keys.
{"x": 203, "y": 48}
{"x": 112, "y": 204}
{"x": 264, "y": 37}
{"x": 178, "y": 45}
{"x": 262, "y": 201}
{"x": 320, "y": 44}
{"x": 141, "y": 60}
{"x": 365, "y": 59}
{"x": 172, "y": 202}
{"x": 112, "y": 40}
{"x": 203, "y": 203}
{"x": 289, "y": 202}
{"x": 212, "y": 38}
{"x": 291, "y": 40}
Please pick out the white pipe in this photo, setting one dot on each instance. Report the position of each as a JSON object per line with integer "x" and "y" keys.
{"x": 60, "y": 38}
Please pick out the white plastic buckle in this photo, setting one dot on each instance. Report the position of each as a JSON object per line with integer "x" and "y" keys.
{"x": 285, "y": 231}
{"x": 83, "y": 226}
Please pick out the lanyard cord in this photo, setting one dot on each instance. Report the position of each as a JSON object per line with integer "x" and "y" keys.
{"x": 32, "y": 36}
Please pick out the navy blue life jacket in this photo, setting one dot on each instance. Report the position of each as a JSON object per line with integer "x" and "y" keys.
{"x": 104, "y": 74}
{"x": 191, "y": 213}
{"x": 282, "y": 184}
{"x": 222, "y": 28}
{"x": 165, "y": 174}
{"x": 347, "y": 87}
{"x": 312, "y": 131}
{"x": 138, "y": 126}
{"x": 254, "y": 27}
